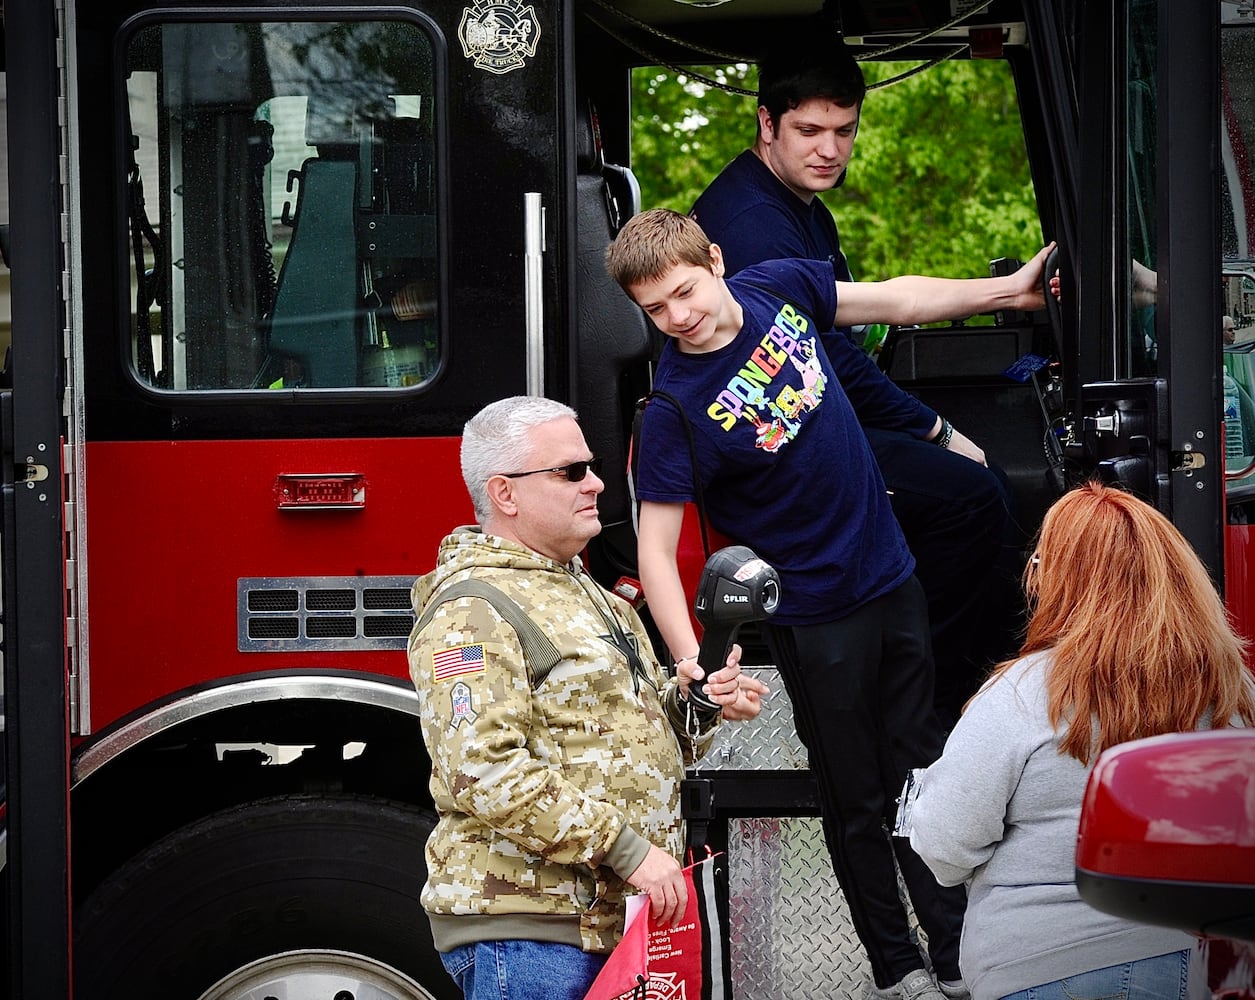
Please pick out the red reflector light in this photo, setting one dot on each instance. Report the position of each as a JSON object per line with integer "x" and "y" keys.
{"x": 341, "y": 491}
{"x": 985, "y": 43}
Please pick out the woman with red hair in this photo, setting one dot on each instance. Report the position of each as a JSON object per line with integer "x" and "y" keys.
{"x": 1127, "y": 638}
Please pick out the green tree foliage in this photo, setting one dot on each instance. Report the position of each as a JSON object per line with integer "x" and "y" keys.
{"x": 684, "y": 131}
{"x": 939, "y": 183}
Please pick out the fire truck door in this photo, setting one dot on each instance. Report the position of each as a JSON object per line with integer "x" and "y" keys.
{"x": 1145, "y": 303}
{"x": 336, "y": 235}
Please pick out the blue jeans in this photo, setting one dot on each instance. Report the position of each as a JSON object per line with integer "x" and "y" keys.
{"x": 522, "y": 970}
{"x": 1164, "y": 977}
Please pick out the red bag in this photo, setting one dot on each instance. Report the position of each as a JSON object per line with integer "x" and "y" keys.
{"x": 685, "y": 962}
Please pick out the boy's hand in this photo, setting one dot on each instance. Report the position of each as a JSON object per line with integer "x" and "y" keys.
{"x": 739, "y": 695}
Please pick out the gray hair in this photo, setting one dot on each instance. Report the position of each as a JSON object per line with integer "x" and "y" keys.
{"x": 496, "y": 440}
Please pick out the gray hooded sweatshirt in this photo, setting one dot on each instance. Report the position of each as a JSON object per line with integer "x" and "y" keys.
{"x": 1000, "y": 811}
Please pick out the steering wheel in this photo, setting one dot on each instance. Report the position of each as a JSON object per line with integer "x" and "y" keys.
{"x": 1054, "y": 308}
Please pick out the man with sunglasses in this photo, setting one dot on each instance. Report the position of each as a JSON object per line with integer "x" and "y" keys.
{"x": 556, "y": 779}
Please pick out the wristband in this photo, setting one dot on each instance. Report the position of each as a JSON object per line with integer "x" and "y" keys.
{"x": 942, "y": 440}
{"x": 683, "y": 658}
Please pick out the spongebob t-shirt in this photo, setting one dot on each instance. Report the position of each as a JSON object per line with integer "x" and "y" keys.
{"x": 784, "y": 465}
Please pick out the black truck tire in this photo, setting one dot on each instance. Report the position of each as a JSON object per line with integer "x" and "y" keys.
{"x": 297, "y": 875}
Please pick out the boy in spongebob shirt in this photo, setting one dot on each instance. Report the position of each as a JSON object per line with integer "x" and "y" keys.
{"x": 774, "y": 400}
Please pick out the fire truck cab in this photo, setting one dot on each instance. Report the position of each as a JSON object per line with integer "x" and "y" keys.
{"x": 267, "y": 258}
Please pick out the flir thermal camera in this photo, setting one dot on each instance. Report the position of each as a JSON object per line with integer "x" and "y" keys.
{"x": 735, "y": 587}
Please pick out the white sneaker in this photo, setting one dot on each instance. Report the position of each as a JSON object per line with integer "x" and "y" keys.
{"x": 917, "y": 985}
{"x": 956, "y": 992}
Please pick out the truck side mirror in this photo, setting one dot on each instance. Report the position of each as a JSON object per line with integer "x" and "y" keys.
{"x": 1167, "y": 833}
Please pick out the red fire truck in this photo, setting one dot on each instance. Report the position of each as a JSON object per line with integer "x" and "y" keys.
{"x": 267, "y": 258}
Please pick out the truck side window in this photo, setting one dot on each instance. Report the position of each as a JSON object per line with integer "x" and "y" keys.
{"x": 281, "y": 209}
{"x": 1237, "y": 242}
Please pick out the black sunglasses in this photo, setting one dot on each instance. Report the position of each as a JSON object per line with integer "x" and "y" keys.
{"x": 575, "y": 472}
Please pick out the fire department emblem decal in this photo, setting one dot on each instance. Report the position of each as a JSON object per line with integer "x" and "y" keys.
{"x": 659, "y": 987}
{"x": 665, "y": 987}
{"x": 499, "y": 36}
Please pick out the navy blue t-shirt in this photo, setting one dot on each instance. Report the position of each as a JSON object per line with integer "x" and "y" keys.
{"x": 784, "y": 465}
{"x": 753, "y": 217}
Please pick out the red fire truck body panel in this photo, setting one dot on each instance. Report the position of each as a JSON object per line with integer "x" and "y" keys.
{"x": 290, "y": 246}
{"x": 209, "y": 513}
{"x": 1239, "y": 561}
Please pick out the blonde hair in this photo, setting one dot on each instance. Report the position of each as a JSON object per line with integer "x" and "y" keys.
{"x": 1141, "y": 643}
{"x": 654, "y": 242}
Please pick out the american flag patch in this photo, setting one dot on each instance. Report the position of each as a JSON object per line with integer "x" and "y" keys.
{"x": 457, "y": 661}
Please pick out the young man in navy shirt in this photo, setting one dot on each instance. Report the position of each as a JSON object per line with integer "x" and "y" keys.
{"x": 774, "y": 397}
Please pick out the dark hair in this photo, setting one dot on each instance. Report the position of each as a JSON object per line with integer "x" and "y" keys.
{"x": 805, "y": 68}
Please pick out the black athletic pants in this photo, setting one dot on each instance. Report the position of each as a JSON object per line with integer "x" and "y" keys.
{"x": 955, "y": 516}
{"x": 862, "y": 693}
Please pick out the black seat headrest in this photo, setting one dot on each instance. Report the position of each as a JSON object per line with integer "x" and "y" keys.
{"x": 589, "y": 157}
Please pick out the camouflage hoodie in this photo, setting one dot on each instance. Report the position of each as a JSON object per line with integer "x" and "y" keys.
{"x": 549, "y": 795}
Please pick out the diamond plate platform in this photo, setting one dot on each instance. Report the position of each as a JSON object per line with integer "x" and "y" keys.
{"x": 791, "y": 933}
{"x": 767, "y": 743}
